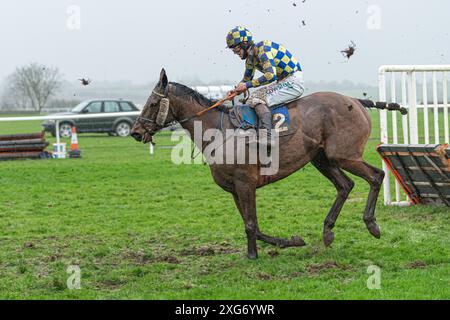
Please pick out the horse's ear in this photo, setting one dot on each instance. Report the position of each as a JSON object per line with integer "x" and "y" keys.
{"x": 163, "y": 81}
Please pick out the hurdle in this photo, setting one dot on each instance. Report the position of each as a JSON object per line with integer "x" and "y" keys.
{"x": 398, "y": 83}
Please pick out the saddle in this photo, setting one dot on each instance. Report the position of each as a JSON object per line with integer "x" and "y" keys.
{"x": 244, "y": 117}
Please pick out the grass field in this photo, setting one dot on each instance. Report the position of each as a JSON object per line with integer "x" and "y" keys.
{"x": 140, "y": 227}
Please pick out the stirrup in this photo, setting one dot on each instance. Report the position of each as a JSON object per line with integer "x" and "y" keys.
{"x": 269, "y": 156}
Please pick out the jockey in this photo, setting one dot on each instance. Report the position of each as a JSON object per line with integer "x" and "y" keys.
{"x": 282, "y": 78}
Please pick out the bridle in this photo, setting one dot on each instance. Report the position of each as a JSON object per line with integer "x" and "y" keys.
{"x": 160, "y": 120}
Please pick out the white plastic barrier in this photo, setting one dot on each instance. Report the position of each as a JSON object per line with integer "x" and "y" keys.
{"x": 427, "y": 107}
{"x": 213, "y": 92}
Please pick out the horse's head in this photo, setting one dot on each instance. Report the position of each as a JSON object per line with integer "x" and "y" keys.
{"x": 155, "y": 114}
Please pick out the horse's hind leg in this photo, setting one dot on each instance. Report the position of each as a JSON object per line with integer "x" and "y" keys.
{"x": 374, "y": 177}
{"x": 343, "y": 186}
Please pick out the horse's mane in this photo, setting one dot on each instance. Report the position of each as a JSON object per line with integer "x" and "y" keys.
{"x": 182, "y": 90}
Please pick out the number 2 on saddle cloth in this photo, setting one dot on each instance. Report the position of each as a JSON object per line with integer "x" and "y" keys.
{"x": 246, "y": 118}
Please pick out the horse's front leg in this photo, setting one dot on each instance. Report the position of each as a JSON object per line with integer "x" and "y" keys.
{"x": 245, "y": 197}
{"x": 295, "y": 241}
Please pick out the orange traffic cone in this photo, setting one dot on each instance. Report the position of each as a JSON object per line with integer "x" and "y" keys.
{"x": 74, "y": 151}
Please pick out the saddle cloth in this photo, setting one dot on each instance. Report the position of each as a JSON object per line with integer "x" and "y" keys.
{"x": 244, "y": 117}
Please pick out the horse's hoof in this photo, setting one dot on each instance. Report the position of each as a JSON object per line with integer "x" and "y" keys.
{"x": 297, "y": 241}
{"x": 374, "y": 229}
{"x": 252, "y": 255}
{"x": 328, "y": 237}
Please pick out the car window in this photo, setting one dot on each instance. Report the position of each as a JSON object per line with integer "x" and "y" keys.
{"x": 94, "y": 107}
{"x": 80, "y": 106}
{"x": 125, "y": 106}
{"x": 111, "y": 106}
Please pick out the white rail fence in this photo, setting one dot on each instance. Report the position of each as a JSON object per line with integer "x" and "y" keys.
{"x": 423, "y": 90}
{"x": 58, "y": 118}
{"x": 212, "y": 92}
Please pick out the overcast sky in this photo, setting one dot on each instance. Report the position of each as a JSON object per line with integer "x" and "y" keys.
{"x": 132, "y": 40}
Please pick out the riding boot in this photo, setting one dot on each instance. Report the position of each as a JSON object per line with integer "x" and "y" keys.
{"x": 265, "y": 130}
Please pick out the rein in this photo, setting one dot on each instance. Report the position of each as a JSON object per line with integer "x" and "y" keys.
{"x": 215, "y": 105}
{"x": 164, "y": 104}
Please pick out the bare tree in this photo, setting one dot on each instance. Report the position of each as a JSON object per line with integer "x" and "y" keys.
{"x": 34, "y": 83}
{"x": 11, "y": 99}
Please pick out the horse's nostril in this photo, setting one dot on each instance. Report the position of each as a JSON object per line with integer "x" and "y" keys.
{"x": 137, "y": 136}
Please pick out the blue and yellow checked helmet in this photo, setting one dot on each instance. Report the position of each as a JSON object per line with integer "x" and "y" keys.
{"x": 238, "y": 35}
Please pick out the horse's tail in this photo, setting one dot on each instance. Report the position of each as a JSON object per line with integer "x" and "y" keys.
{"x": 383, "y": 105}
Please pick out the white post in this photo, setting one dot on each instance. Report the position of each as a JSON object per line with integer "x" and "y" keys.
{"x": 436, "y": 110}
{"x": 413, "y": 125}
{"x": 405, "y": 117}
{"x": 384, "y": 135}
{"x": 58, "y": 140}
{"x": 394, "y": 130}
{"x": 383, "y": 113}
{"x": 57, "y": 132}
{"x": 394, "y": 114}
{"x": 151, "y": 148}
{"x": 425, "y": 108}
{"x": 445, "y": 102}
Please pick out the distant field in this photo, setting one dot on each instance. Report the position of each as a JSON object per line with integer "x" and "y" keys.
{"x": 141, "y": 227}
